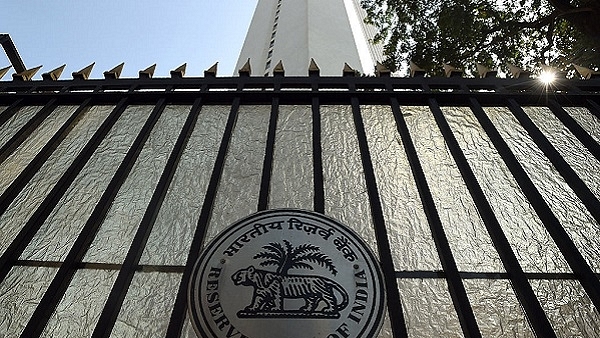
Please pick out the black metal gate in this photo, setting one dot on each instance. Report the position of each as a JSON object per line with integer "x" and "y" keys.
{"x": 481, "y": 196}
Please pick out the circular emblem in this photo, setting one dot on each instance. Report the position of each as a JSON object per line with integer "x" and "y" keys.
{"x": 287, "y": 273}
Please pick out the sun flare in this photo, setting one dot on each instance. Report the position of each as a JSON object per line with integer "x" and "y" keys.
{"x": 547, "y": 77}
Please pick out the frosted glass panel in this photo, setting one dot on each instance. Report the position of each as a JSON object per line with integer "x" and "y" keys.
{"x": 575, "y": 154}
{"x": 16, "y": 122}
{"x": 188, "y": 329}
{"x": 146, "y": 310}
{"x": 61, "y": 228}
{"x": 428, "y": 309}
{"x": 237, "y": 195}
{"x": 586, "y": 120}
{"x": 121, "y": 223}
{"x": 531, "y": 243}
{"x": 177, "y": 219}
{"x": 20, "y": 293}
{"x": 408, "y": 230}
{"x": 568, "y": 308}
{"x": 497, "y": 309}
{"x": 81, "y": 306}
{"x": 386, "y": 328}
{"x": 469, "y": 240}
{"x": 570, "y": 211}
{"x": 292, "y": 172}
{"x": 20, "y": 158}
{"x": 346, "y": 197}
{"x": 28, "y": 200}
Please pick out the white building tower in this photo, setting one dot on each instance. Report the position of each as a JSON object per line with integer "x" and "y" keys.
{"x": 294, "y": 31}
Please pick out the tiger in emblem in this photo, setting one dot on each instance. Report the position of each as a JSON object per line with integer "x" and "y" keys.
{"x": 270, "y": 289}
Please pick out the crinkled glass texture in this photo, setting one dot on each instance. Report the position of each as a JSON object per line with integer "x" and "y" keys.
{"x": 346, "y": 197}
{"x": 16, "y": 122}
{"x": 529, "y": 239}
{"x": 20, "y": 158}
{"x": 125, "y": 215}
{"x": 146, "y": 309}
{"x": 568, "y": 307}
{"x": 407, "y": 226}
{"x": 188, "y": 330}
{"x": 568, "y": 208}
{"x": 20, "y": 294}
{"x": 79, "y": 310}
{"x": 588, "y": 121}
{"x": 575, "y": 154}
{"x": 468, "y": 238}
{"x": 292, "y": 171}
{"x": 386, "y": 328}
{"x": 428, "y": 308}
{"x": 237, "y": 195}
{"x": 56, "y": 236}
{"x": 496, "y": 308}
{"x": 177, "y": 220}
{"x": 28, "y": 200}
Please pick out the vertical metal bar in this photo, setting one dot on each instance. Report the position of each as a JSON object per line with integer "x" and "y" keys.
{"x": 26, "y": 130}
{"x": 594, "y": 108}
{"x": 319, "y": 196}
{"x": 538, "y": 320}
{"x": 178, "y": 314}
{"x": 580, "y": 268}
{"x": 581, "y": 190}
{"x": 39, "y": 216}
{"x": 21, "y": 181}
{"x": 65, "y": 273}
{"x": 115, "y": 299}
{"x": 575, "y": 128}
{"x": 10, "y": 111}
{"x": 383, "y": 244}
{"x": 263, "y": 199}
{"x": 455, "y": 285}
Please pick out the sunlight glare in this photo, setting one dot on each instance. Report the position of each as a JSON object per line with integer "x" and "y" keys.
{"x": 547, "y": 77}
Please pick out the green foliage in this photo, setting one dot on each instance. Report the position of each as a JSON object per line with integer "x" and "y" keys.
{"x": 492, "y": 32}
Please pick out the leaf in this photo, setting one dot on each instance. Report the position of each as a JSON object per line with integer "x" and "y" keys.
{"x": 462, "y": 32}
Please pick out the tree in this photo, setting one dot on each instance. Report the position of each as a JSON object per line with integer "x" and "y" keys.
{"x": 491, "y": 32}
{"x": 288, "y": 257}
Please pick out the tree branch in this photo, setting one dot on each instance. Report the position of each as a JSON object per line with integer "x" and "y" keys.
{"x": 549, "y": 38}
{"x": 575, "y": 11}
{"x": 537, "y": 24}
{"x": 562, "y": 5}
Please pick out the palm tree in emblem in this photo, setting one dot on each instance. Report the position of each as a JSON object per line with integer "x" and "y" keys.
{"x": 287, "y": 257}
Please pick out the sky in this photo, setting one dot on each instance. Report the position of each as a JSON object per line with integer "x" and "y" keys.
{"x": 140, "y": 33}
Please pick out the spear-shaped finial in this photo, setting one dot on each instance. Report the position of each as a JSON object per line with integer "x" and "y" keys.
{"x": 179, "y": 72}
{"x": 54, "y": 74}
{"x": 27, "y": 74}
{"x": 212, "y": 71}
{"x": 313, "y": 68}
{"x": 278, "y": 70}
{"x": 147, "y": 73}
{"x": 84, "y": 74}
{"x": 246, "y": 70}
{"x": 114, "y": 73}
